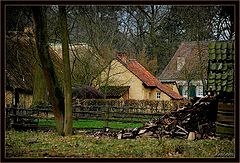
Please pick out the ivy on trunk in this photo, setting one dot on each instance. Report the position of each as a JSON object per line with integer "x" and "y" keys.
{"x": 53, "y": 86}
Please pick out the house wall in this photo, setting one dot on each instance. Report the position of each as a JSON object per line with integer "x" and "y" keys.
{"x": 119, "y": 75}
{"x": 197, "y": 83}
{"x": 25, "y": 100}
{"x": 8, "y": 98}
{"x": 151, "y": 94}
{"x": 147, "y": 94}
{"x": 163, "y": 96}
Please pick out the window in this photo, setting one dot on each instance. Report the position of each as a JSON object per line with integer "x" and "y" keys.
{"x": 180, "y": 90}
{"x": 192, "y": 91}
{"x": 199, "y": 91}
{"x": 158, "y": 95}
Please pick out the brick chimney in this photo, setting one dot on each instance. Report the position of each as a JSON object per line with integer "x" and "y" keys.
{"x": 122, "y": 57}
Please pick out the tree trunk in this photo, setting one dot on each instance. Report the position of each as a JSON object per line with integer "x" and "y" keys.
{"x": 39, "y": 86}
{"x": 204, "y": 86}
{"x": 201, "y": 67}
{"x": 55, "y": 93}
{"x": 188, "y": 89}
{"x": 67, "y": 72}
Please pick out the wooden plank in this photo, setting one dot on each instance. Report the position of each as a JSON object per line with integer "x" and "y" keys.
{"x": 126, "y": 114}
{"x": 115, "y": 120}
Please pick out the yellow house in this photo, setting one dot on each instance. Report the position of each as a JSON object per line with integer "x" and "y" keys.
{"x": 141, "y": 84}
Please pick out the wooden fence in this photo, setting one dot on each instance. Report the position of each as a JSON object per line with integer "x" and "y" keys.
{"x": 107, "y": 111}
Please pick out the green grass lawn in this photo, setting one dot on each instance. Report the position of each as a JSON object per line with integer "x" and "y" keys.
{"x": 49, "y": 144}
{"x": 93, "y": 124}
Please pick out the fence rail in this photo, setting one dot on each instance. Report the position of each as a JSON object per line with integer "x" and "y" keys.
{"x": 106, "y": 113}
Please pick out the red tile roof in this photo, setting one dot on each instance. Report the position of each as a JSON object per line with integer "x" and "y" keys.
{"x": 146, "y": 77}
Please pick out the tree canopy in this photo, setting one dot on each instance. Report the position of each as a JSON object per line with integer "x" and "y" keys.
{"x": 156, "y": 30}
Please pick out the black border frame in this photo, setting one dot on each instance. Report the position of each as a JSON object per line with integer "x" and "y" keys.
{"x": 117, "y": 2}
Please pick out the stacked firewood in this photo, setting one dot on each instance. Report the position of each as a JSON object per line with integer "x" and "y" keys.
{"x": 192, "y": 122}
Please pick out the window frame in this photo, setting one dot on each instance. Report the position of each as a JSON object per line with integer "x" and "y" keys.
{"x": 158, "y": 95}
{"x": 199, "y": 91}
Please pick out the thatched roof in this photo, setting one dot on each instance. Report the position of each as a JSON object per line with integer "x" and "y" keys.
{"x": 20, "y": 60}
{"x": 86, "y": 92}
{"x": 114, "y": 91}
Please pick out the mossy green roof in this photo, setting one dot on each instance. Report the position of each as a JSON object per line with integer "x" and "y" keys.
{"x": 221, "y": 66}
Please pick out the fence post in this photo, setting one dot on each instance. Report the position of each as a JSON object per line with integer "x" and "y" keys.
{"x": 106, "y": 118}
{"x": 15, "y": 119}
{"x": 8, "y": 120}
{"x": 38, "y": 115}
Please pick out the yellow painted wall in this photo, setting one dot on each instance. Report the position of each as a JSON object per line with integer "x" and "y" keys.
{"x": 25, "y": 100}
{"x": 121, "y": 76}
{"x": 8, "y": 98}
{"x": 151, "y": 94}
{"x": 165, "y": 97}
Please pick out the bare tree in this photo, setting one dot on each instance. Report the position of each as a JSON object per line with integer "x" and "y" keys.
{"x": 100, "y": 32}
{"x": 223, "y": 23}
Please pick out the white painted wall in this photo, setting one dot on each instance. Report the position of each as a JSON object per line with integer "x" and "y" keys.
{"x": 197, "y": 83}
